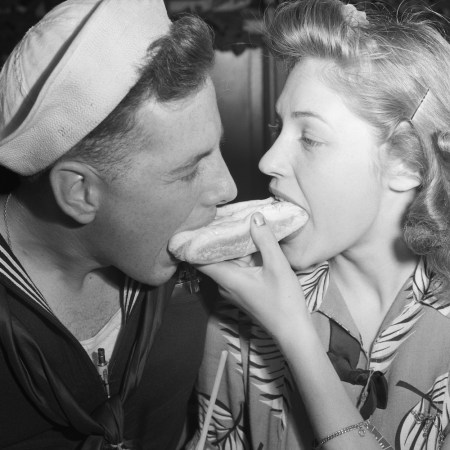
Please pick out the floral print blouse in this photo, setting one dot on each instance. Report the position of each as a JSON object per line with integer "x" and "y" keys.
{"x": 401, "y": 384}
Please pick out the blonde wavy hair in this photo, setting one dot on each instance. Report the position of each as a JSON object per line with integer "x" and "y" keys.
{"x": 393, "y": 70}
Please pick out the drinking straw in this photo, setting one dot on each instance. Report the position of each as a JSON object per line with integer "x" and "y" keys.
{"x": 212, "y": 400}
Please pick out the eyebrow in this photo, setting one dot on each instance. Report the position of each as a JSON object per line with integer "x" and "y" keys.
{"x": 297, "y": 114}
{"x": 192, "y": 162}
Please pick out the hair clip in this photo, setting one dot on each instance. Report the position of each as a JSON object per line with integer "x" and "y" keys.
{"x": 419, "y": 105}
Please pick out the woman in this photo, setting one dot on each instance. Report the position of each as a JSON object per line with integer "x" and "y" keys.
{"x": 357, "y": 357}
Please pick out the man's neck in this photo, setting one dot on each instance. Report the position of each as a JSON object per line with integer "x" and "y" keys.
{"x": 81, "y": 293}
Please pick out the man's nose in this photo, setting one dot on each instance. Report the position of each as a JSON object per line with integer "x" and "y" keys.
{"x": 224, "y": 188}
{"x": 229, "y": 188}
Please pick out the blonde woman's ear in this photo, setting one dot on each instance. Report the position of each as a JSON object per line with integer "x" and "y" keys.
{"x": 402, "y": 178}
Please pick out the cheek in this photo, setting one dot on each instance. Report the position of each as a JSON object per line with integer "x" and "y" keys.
{"x": 166, "y": 221}
{"x": 342, "y": 210}
{"x": 342, "y": 185}
{"x": 346, "y": 203}
{"x": 154, "y": 223}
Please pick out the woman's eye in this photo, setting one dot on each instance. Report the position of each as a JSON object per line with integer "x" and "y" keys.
{"x": 310, "y": 142}
{"x": 275, "y": 129}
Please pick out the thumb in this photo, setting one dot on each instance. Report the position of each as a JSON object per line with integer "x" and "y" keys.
{"x": 267, "y": 243}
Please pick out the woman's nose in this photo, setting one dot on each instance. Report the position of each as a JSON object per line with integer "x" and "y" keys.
{"x": 273, "y": 160}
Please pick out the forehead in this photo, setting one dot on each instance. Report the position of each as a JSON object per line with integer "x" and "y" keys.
{"x": 307, "y": 89}
{"x": 306, "y": 85}
{"x": 308, "y": 99}
{"x": 178, "y": 130}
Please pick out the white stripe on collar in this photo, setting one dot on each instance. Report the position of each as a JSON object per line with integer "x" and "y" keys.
{"x": 13, "y": 271}
{"x": 15, "y": 274}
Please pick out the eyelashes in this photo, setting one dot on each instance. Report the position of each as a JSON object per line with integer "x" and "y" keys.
{"x": 308, "y": 143}
{"x": 275, "y": 129}
{"x": 190, "y": 176}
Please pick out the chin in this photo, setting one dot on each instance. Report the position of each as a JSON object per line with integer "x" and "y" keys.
{"x": 159, "y": 275}
{"x": 153, "y": 275}
{"x": 297, "y": 257}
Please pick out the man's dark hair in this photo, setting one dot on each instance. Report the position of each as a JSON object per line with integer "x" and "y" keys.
{"x": 177, "y": 67}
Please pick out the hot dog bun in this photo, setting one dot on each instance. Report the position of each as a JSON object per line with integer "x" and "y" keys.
{"x": 228, "y": 235}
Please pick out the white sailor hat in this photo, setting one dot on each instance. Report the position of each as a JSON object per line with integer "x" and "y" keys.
{"x": 68, "y": 73}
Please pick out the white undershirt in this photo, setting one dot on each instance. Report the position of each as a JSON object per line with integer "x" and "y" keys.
{"x": 106, "y": 338}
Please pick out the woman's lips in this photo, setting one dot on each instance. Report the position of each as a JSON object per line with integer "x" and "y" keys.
{"x": 278, "y": 196}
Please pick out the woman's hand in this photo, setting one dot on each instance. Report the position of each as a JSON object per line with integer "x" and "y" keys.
{"x": 272, "y": 295}
{"x": 270, "y": 292}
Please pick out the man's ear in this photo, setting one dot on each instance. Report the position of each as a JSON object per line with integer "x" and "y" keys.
{"x": 76, "y": 187}
{"x": 402, "y": 178}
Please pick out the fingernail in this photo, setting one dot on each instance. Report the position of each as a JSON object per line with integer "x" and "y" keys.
{"x": 259, "y": 219}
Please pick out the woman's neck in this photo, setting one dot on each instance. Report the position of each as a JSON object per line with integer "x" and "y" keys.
{"x": 374, "y": 275}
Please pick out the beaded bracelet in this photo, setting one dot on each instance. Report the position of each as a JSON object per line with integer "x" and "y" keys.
{"x": 361, "y": 426}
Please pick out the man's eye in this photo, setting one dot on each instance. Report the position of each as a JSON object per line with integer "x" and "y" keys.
{"x": 190, "y": 176}
{"x": 275, "y": 128}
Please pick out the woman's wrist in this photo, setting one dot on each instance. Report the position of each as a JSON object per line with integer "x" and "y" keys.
{"x": 295, "y": 333}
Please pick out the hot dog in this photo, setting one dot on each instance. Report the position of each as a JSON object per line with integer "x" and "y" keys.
{"x": 228, "y": 235}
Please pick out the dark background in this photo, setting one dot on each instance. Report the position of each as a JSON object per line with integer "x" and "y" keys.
{"x": 16, "y": 16}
